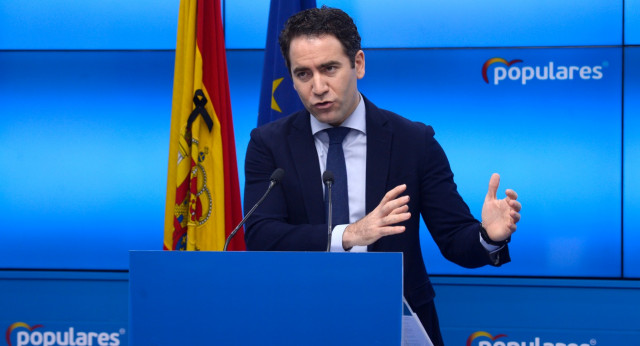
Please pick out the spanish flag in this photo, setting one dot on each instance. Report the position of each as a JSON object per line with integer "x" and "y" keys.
{"x": 203, "y": 194}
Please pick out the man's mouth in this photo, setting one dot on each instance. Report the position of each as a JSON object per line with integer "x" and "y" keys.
{"x": 323, "y": 105}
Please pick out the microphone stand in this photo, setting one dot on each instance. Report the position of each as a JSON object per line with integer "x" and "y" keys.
{"x": 276, "y": 176}
{"x": 327, "y": 178}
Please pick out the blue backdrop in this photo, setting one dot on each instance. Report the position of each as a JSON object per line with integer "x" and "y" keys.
{"x": 85, "y": 105}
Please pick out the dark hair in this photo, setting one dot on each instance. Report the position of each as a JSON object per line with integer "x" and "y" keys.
{"x": 318, "y": 22}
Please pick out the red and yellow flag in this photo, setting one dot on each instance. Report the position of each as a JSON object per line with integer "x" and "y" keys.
{"x": 203, "y": 194}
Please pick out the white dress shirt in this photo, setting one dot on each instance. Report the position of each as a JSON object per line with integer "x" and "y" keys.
{"x": 354, "y": 146}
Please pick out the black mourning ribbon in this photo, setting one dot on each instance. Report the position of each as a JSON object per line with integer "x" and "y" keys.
{"x": 200, "y": 100}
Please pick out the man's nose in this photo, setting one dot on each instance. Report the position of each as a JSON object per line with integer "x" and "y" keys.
{"x": 319, "y": 85}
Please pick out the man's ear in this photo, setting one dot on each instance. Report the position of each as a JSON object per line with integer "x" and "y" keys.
{"x": 359, "y": 64}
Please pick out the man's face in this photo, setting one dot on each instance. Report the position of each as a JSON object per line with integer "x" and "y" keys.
{"x": 323, "y": 77}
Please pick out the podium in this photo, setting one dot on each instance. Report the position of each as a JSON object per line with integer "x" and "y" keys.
{"x": 265, "y": 298}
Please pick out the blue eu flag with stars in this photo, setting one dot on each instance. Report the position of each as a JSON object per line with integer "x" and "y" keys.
{"x": 277, "y": 96}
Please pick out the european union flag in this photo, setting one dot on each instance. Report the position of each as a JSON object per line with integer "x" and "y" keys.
{"x": 277, "y": 96}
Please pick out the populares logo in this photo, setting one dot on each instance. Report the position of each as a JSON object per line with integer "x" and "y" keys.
{"x": 35, "y": 335}
{"x": 486, "y": 339}
{"x": 515, "y": 71}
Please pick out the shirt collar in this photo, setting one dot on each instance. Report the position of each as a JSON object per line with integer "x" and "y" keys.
{"x": 354, "y": 121}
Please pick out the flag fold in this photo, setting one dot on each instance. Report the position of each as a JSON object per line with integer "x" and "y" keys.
{"x": 203, "y": 195}
{"x": 278, "y": 98}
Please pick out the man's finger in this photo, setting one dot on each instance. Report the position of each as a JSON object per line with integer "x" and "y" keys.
{"x": 393, "y": 193}
{"x": 402, "y": 209}
{"x": 515, "y": 205}
{"x": 391, "y": 206}
{"x": 515, "y": 217}
{"x": 391, "y": 230}
{"x": 395, "y": 218}
{"x": 494, "y": 182}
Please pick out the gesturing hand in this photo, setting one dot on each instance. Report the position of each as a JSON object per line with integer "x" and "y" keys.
{"x": 379, "y": 223}
{"x": 499, "y": 216}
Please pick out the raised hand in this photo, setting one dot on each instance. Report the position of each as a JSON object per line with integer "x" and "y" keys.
{"x": 380, "y": 222}
{"x": 499, "y": 216}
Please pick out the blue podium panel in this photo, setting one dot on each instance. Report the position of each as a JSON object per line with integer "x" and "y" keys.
{"x": 257, "y": 298}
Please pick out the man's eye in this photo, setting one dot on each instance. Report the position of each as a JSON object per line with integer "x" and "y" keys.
{"x": 302, "y": 75}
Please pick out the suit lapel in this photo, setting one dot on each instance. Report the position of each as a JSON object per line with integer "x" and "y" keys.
{"x": 378, "y": 155}
{"x": 305, "y": 160}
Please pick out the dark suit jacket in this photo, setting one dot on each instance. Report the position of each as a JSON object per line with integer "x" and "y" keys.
{"x": 399, "y": 151}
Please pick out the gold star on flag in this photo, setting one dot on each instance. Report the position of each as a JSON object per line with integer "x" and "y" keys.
{"x": 274, "y": 104}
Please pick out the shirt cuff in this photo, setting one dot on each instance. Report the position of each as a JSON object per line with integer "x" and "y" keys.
{"x": 490, "y": 248}
{"x": 336, "y": 241}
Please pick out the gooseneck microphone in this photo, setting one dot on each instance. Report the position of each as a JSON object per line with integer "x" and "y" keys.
{"x": 327, "y": 178}
{"x": 276, "y": 177}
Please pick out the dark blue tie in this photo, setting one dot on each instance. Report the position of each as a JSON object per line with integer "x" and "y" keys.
{"x": 336, "y": 164}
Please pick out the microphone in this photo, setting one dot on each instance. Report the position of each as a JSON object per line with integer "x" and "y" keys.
{"x": 327, "y": 178}
{"x": 276, "y": 177}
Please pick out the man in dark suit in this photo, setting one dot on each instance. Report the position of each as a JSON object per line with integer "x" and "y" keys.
{"x": 395, "y": 170}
